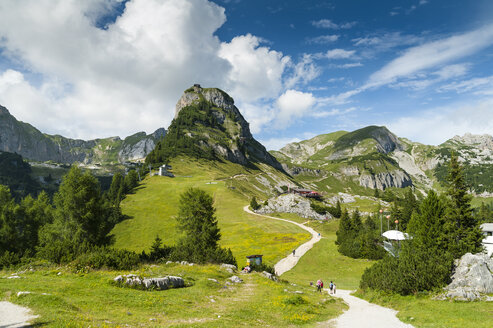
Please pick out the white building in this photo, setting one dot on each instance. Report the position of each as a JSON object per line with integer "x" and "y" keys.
{"x": 488, "y": 237}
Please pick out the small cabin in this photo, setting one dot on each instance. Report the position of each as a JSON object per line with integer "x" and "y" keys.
{"x": 163, "y": 171}
{"x": 254, "y": 259}
{"x": 487, "y": 229}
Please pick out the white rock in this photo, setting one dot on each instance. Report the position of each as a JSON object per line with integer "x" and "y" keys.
{"x": 23, "y": 293}
{"x": 236, "y": 279}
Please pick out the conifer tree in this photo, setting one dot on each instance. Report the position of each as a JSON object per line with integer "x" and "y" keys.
{"x": 464, "y": 233}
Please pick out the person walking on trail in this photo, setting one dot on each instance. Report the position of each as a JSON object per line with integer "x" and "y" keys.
{"x": 294, "y": 252}
{"x": 334, "y": 289}
{"x": 319, "y": 285}
{"x": 331, "y": 288}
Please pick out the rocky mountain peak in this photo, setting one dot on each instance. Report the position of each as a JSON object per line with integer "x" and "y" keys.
{"x": 207, "y": 123}
{"x": 484, "y": 141}
{"x": 4, "y": 111}
{"x": 215, "y": 96}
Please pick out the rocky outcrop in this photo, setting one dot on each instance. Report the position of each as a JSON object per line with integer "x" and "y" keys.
{"x": 297, "y": 170}
{"x": 30, "y": 143}
{"x": 132, "y": 280}
{"x": 290, "y": 203}
{"x": 473, "y": 277}
{"x": 238, "y": 144}
{"x": 399, "y": 179}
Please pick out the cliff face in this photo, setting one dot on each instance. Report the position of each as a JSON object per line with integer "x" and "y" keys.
{"x": 208, "y": 122}
{"x": 25, "y": 140}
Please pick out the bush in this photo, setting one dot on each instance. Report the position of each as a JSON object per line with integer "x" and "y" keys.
{"x": 253, "y": 204}
{"x": 9, "y": 259}
{"x": 104, "y": 257}
{"x": 262, "y": 267}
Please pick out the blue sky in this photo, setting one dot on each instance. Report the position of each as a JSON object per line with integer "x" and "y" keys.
{"x": 296, "y": 69}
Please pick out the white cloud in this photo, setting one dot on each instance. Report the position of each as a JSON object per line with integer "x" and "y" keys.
{"x": 339, "y": 54}
{"x": 256, "y": 72}
{"x": 278, "y": 143}
{"x": 479, "y": 85}
{"x": 421, "y": 81}
{"x": 433, "y": 54}
{"x": 333, "y": 112}
{"x": 436, "y": 125}
{"x": 327, "y": 23}
{"x": 349, "y": 65}
{"x": 383, "y": 42}
{"x": 292, "y": 105}
{"x": 304, "y": 71}
{"x": 323, "y": 39}
{"x": 128, "y": 77}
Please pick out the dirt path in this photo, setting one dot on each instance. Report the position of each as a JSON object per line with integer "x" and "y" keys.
{"x": 13, "y": 316}
{"x": 361, "y": 314}
{"x": 290, "y": 261}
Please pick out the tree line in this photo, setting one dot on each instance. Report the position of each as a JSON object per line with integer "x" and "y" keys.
{"x": 442, "y": 228}
{"x": 74, "y": 226}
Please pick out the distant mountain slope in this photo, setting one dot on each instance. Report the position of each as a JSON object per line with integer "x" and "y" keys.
{"x": 374, "y": 157}
{"x": 208, "y": 125}
{"x": 358, "y": 158}
{"x": 27, "y": 141}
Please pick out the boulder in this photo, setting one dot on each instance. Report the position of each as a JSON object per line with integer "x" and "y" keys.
{"x": 473, "y": 276}
{"x": 229, "y": 267}
{"x": 291, "y": 203}
{"x": 164, "y": 283}
{"x": 236, "y": 279}
{"x": 132, "y": 280}
{"x": 271, "y": 276}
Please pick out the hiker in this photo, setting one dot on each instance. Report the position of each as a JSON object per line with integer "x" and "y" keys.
{"x": 331, "y": 287}
{"x": 334, "y": 289}
{"x": 319, "y": 285}
{"x": 294, "y": 251}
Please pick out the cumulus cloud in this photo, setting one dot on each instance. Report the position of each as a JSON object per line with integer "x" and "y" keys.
{"x": 436, "y": 125}
{"x": 433, "y": 54}
{"x": 256, "y": 71}
{"x": 127, "y": 76}
{"x": 291, "y": 105}
{"x": 303, "y": 72}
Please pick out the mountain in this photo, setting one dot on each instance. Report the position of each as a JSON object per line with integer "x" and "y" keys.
{"x": 355, "y": 159}
{"x": 27, "y": 141}
{"x": 375, "y": 158}
{"x": 208, "y": 125}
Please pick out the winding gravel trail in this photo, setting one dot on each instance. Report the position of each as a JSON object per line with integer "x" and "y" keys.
{"x": 361, "y": 314}
{"x": 290, "y": 261}
{"x": 14, "y": 316}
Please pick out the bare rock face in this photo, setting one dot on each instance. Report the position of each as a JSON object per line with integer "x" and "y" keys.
{"x": 290, "y": 203}
{"x": 399, "y": 179}
{"x": 241, "y": 147}
{"x": 473, "y": 277}
{"x": 30, "y": 143}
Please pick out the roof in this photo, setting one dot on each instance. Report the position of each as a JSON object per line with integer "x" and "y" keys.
{"x": 253, "y": 256}
{"x": 487, "y": 227}
{"x": 488, "y": 240}
{"x": 395, "y": 235}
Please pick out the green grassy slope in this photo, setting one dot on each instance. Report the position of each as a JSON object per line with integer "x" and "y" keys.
{"x": 152, "y": 210}
{"x": 91, "y": 300}
{"x": 324, "y": 262}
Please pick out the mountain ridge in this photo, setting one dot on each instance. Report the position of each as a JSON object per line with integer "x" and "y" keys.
{"x": 24, "y": 139}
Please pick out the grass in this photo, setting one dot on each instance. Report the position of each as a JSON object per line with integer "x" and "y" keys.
{"x": 154, "y": 206}
{"x": 72, "y": 299}
{"x": 324, "y": 262}
{"x": 423, "y": 311}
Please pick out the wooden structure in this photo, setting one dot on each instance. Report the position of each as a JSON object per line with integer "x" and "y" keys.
{"x": 254, "y": 259}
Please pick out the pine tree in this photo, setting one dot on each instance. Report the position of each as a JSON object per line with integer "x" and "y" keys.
{"x": 409, "y": 205}
{"x": 344, "y": 227}
{"x": 197, "y": 222}
{"x": 464, "y": 233}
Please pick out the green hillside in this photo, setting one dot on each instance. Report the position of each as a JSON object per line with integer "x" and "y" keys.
{"x": 152, "y": 209}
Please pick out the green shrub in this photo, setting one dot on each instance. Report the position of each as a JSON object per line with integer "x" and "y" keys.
{"x": 294, "y": 300}
{"x": 104, "y": 257}
{"x": 262, "y": 267}
{"x": 253, "y": 204}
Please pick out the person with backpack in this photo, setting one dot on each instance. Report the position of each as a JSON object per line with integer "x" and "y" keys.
{"x": 319, "y": 285}
{"x": 331, "y": 287}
